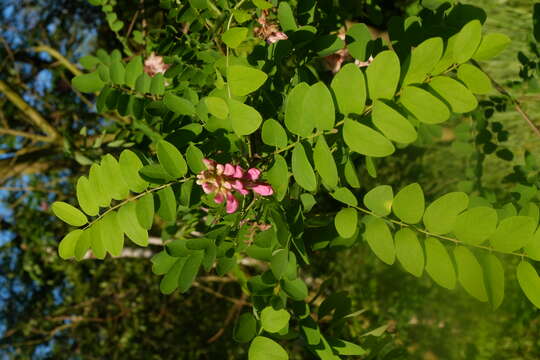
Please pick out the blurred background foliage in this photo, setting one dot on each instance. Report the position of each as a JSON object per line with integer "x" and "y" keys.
{"x": 113, "y": 309}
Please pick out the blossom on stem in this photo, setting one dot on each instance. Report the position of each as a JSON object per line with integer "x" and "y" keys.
{"x": 222, "y": 180}
{"x": 154, "y": 64}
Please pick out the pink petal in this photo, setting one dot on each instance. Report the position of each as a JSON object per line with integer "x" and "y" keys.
{"x": 253, "y": 174}
{"x": 262, "y": 189}
{"x": 210, "y": 164}
{"x": 208, "y": 187}
{"x": 229, "y": 170}
{"x": 238, "y": 172}
{"x": 219, "y": 198}
{"x": 219, "y": 169}
{"x": 239, "y": 186}
{"x": 232, "y": 203}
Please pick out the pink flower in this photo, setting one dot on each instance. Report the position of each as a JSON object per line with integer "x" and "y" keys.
{"x": 154, "y": 65}
{"x": 222, "y": 180}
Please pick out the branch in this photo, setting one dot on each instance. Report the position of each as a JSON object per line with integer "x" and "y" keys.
{"x": 32, "y": 114}
{"x": 59, "y": 57}
{"x": 25, "y": 134}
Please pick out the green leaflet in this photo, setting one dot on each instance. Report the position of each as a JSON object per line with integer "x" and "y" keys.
{"x": 460, "y": 98}
{"x": 169, "y": 282}
{"x": 234, "y": 36}
{"x": 438, "y": 264}
{"x": 447, "y": 59}
{"x": 423, "y": 105}
{"x": 325, "y": 163}
{"x": 295, "y": 121}
{"x": 171, "y": 159}
{"x": 379, "y": 200}
{"x": 346, "y": 348}
{"x": 345, "y": 196}
{"x": 475, "y": 79}
{"x": 129, "y": 223}
{"x": 217, "y": 107}
{"x": 286, "y": 18}
{"x": 319, "y": 106}
{"x": 278, "y": 176}
{"x": 68, "y": 213}
{"x": 422, "y": 60}
{"x": 112, "y": 178}
{"x": 178, "y": 105}
{"x": 476, "y": 225}
{"x": 66, "y": 248}
{"x": 467, "y": 41}
{"x": 279, "y": 262}
{"x": 85, "y": 197}
{"x": 361, "y": 38}
{"x": 380, "y": 239}
{"x": 167, "y": 204}
{"x": 441, "y": 215}
{"x": 274, "y": 320}
{"x": 189, "y": 271}
{"x": 194, "y": 158}
{"x": 111, "y": 234}
{"x": 529, "y": 281}
{"x": 130, "y": 164}
{"x": 245, "y": 119}
{"x": 263, "y": 348}
{"x": 383, "y": 75}
{"x": 245, "y": 328}
{"x": 513, "y": 233}
{"x": 302, "y": 169}
{"x": 273, "y": 134}
{"x": 533, "y": 248}
{"x": 117, "y": 73}
{"x": 470, "y": 273}
{"x": 366, "y": 141}
{"x": 88, "y": 83}
{"x": 349, "y": 88}
{"x": 351, "y": 174}
{"x": 133, "y": 70}
{"x": 145, "y": 211}
{"x": 142, "y": 84}
{"x": 97, "y": 242}
{"x": 162, "y": 263}
{"x": 408, "y": 204}
{"x": 157, "y": 85}
{"x": 346, "y": 222}
{"x": 491, "y": 46}
{"x": 392, "y": 124}
{"x": 83, "y": 244}
{"x": 409, "y": 252}
{"x": 244, "y": 80}
{"x": 296, "y": 289}
{"x": 493, "y": 279}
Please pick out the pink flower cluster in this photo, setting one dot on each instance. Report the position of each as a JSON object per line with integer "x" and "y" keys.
{"x": 222, "y": 180}
{"x": 154, "y": 64}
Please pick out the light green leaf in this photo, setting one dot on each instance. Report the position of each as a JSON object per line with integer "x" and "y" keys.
{"x": 467, "y": 41}
{"x": 142, "y": 84}
{"x": 491, "y": 46}
{"x": 244, "y": 80}
{"x": 439, "y": 265}
{"x": 162, "y": 262}
{"x": 383, "y": 75}
{"x": 217, "y": 107}
{"x": 380, "y": 239}
{"x": 476, "y": 225}
{"x": 244, "y": 118}
{"x": 295, "y": 121}
{"x": 319, "y": 106}
{"x": 533, "y": 248}
{"x": 475, "y": 79}
{"x": 494, "y": 279}
{"x": 245, "y": 328}
{"x": 273, "y": 134}
{"x": 460, "y": 98}
{"x": 129, "y": 223}
{"x": 286, "y": 17}
{"x": 133, "y": 70}
{"x": 189, "y": 271}
{"x": 349, "y": 86}
{"x": 408, "y": 204}
{"x": 345, "y": 196}
{"x": 325, "y": 163}
{"x": 83, "y": 244}
{"x": 423, "y": 105}
{"x": 296, "y": 289}
{"x": 169, "y": 283}
{"x": 346, "y": 222}
{"x": 279, "y": 262}
{"x": 130, "y": 164}
{"x": 423, "y": 59}
{"x": 409, "y": 251}
{"x": 87, "y": 200}
{"x": 157, "y": 85}
{"x": 529, "y": 281}
{"x": 97, "y": 242}
{"x": 68, "y": 213}
{"x": 470, "y": 273}
{"x": 263, "y": 348}
{"x": 178, "y": 105}
{"x": 346, "y": 348}
{"x": 88, "y": 83}
{"x": 302, "y": 170}
{"x": 234, "y": 36}
{"x": 351, "y": 174}
{"x": 441, "y": 215}
{"x": 392, "y": 124}
{"x": 379, "y": 200}
{"x": 145, "y": 211}
{"x": 366, "y": 141}
{"x": 274, "y": 320}
{"x": 98, "y": 187}
{"x": 171, "y": 159}
{"x": 111, "y": 234}
{"x": 447, "y": 59}
{"x": 194, "y": 158}
{"x": 89, "y": 62}
{"x": 167, "y": 204}
{"x": 513, "y": 233}
{"x": 66, "y": 248}
{"x": 112, "y": 178}
{"x": 278, "y": 177}
{"x": 117, "y": 73}
{"x": 262, "y": 4}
